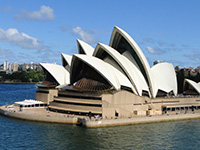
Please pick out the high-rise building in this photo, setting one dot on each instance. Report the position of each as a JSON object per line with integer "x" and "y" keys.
{"x": 9, "y": 67}
{"x": 15, "y": 67}
{"x": 25, "y": 67}
{"x": 31, "y": 66}
{"x": 5, "y": 65}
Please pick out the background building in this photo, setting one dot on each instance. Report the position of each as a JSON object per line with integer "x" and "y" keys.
{"x": 5, "y": 65}
{"x": 13, "y": 67}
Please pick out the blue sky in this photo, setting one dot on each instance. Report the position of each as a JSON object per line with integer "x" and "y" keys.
{"x": 39, "y": 31}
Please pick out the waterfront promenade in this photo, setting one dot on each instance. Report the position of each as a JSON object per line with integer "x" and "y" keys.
{"x": 43, "y": 115}
{"x": 37, "y": 114}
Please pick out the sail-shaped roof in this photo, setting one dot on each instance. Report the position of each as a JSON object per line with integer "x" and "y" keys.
{"x": 195, "y": 85}
{"x": 84, "y": 66}
{"x": 105, "y": 52}
{"x": 165, "y": 77}
{"x": 126, "y": 46}
{"x": 121, "y": 64}
{"x": 84, "y": 48}
{"x": 66, "y": 61}
{"x": 58, "y": 72}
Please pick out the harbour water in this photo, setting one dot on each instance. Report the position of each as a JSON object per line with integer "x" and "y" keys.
{"x": 20, "y": 134}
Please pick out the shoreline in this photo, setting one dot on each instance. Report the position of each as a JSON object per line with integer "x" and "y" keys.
{"x": 137, "y": 120}
{"x": 43, "y": 115}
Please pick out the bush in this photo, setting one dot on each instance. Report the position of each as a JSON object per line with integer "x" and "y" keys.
{"x": 22, "y": 76}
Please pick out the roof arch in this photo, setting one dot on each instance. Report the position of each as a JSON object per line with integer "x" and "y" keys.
{"x": 58, "y": 72}
{"x": 66, "y": 61}
{"x": 165, "y": 77}
{"x": 104, "y": 52}
{"x": 84, "y": 48}
{"x": 126, "y": 46}
{"x": 195, "y": 85}
{"x": 94, "y": 68}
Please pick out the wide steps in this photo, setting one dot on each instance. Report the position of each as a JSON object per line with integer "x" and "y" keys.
{"x": 79, "y": 95}
{"x": 75, "y": 108}
{"x": 80, "y": 101}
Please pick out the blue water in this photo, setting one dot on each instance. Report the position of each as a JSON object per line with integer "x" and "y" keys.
{"x": 20, "y": 134}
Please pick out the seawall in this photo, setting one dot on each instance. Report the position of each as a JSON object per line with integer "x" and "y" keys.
{"x": 136, "y": 120}
{"x": 38, "y": 114}
{"x": 43, "y": 115}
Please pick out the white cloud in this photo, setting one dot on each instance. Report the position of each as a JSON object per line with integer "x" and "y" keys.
{"x": 45, "y": 13}
{"x": 150, "y": 50}
{"x": 84, "y": 35}
{"x": 155, "y": 50}
{"x": 22, "y": 40}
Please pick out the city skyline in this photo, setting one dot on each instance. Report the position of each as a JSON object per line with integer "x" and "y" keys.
{"x": 165, "y": 30}
{"x": 14, "y": 67}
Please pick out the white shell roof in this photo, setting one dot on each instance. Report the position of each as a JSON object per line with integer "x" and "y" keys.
{"x": 195, "y": 85}
{"x": 165, "y": 77}
{"x": 67, "y": 58}
{"x": 121, "y": 69}
{"x": 86, "y": 47}
{"x": 111, "y": 74}
{"x": 60, "y": 74}
{"x": 134, "y": 75}
{"x": 140, "y": 54}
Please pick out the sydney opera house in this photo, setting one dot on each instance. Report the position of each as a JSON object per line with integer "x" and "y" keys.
{"x": 113, "y": 80}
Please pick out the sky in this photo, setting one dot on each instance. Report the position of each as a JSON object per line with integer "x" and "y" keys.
{"x": 40, "y": 30}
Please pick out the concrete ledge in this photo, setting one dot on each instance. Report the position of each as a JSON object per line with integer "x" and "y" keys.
{"x": 42, "y": 115}
{"x": 136, "y": 120}
{"x": 38, "y": 114}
